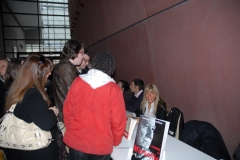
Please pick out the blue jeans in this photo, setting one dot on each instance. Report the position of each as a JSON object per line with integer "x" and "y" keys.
{"x": 78, "y": 155}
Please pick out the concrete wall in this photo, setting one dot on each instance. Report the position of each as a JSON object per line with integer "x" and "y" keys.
{"x": 189, "y": 49}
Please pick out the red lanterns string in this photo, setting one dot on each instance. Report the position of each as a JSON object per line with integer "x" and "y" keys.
{"x": 77, "y": 13}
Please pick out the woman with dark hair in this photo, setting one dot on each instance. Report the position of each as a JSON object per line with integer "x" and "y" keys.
{"x": 3, "y": 88}
{"x": 152, "y": 105}
{"x": 27, "y": 91}
{"x": 124, "y": 85}
{"x": 12, "y": 71}
{"x": 127, "y": 95}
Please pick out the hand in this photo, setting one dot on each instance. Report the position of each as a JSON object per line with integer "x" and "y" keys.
{"x": 55, "y": 110}
{"x": 130, "y": 115}
{"x": 137, "y": 118}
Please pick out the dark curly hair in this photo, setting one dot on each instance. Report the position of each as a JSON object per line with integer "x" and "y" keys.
{"x": 104, "y": 62}
{"x": 71, "y": 49}
{"x": 12, "y": 71}
{"x": 125, "y": 85}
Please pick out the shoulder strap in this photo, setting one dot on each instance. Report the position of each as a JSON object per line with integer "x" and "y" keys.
{"x": 12, "y": 108}
{"x": 9, "y": 111}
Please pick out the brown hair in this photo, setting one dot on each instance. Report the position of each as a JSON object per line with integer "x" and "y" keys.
{"x": 32, "y": 73}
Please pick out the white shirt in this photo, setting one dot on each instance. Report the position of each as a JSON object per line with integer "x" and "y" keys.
{"x": 150, "y": 112}
{"x": 2, "y": 79}
{"x": 138, "y": 94}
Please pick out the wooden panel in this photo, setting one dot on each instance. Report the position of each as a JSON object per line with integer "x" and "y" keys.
{"x": 155, "y": 6}
{"x": 130, "y": 49}
{"x": 121, "y": 14}
{"x": 195, "y": 55}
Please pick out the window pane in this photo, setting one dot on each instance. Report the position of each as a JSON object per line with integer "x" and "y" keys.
{"x": 68, "y": 36}
{"x": 53, "y": 30}
{"x": 53, "y": 9}
{"x": 26, "y": 20}
{"x": 61, "y": 1}
{"x": 20, "y": 7}
{"x": 10, "y": 33}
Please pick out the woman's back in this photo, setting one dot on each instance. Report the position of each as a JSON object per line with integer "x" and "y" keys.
{"x": 34, "y": 109}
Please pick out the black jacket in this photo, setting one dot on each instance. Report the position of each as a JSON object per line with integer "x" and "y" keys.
{"x": 161, "y": 113}
{"x": 133, "y": 105}
{"x": 3, "y": 90}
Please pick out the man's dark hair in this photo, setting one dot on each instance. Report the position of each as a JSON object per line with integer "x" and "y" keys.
{"x": 71, "y": 49}
{"x": 104, "y": 62}
{"x": 125, "y": 85}
{"x": 87, "y": 53}
{"x": 139, "y": 83}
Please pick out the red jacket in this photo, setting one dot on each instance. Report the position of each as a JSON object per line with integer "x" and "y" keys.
{"x": 95, "y": 119}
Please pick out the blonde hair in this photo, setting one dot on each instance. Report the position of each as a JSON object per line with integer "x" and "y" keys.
{"x": 151, "y": 87}
{"x": 32, "y": 73}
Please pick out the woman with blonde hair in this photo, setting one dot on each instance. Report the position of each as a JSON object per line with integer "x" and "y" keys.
{"x": 27, "y": 91}
{"x": 152, "y": 105}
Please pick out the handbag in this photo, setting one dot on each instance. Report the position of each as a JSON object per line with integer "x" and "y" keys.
{"x": 18, "y": 134}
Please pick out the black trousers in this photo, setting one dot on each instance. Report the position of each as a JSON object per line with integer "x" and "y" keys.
{"x": 78, "y": 155}
{"x": 63, "y": 154}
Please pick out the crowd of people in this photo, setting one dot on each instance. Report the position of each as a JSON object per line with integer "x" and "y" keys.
{"x": 84, "y": 96}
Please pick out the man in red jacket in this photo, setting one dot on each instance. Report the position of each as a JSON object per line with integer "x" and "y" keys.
{"x": 94, "y": 112}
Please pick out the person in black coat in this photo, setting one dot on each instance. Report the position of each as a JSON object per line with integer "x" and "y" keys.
{"x": 27, "y": 91}
{"x": 3, "y": 87}
{"x": 124, "y": 86}
{"x": 12, "y": 71}
{"x": 133, "y": 105}
{"x": 152, "y": 105}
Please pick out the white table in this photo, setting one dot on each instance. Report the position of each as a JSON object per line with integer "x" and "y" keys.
{"x": 174, "y": 150}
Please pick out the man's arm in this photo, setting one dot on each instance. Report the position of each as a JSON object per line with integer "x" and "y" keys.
{"x": 63, "y": 76}
{"x": 135, "y": 105}
{"x": 67, "y": 106}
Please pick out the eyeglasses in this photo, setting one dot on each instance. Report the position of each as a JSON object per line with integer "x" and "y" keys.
{"x": 41, "y": 60}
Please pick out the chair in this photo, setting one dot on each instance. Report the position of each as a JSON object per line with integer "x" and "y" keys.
{"x": 176, "y": 119}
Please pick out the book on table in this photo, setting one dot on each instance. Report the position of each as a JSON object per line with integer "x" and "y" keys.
{"x": 131, "y": 123}
{"x": 150, "y": 139}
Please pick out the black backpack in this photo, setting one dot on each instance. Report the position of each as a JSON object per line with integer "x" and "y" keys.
{"x": 236, "y": 154}
{"x": 176, "y": 119}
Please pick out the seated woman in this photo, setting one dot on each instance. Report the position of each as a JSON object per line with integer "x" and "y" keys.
{"x": 127, "y": 95}
{"x": 152, "y": 105}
